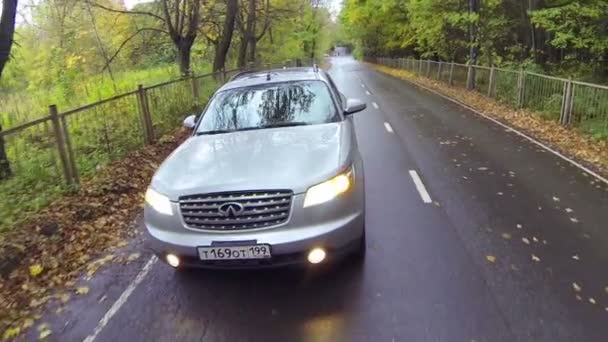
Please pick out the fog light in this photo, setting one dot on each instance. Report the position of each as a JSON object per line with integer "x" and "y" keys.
{"x": 316, "y": 255}
{"x": 172, "y": 260}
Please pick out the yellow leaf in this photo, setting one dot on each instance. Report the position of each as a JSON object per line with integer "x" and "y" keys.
{"x": 64, "y": 297}
{"x": 44, "y": 333}
{"x": 35, "y": 270}
{"x": 491, "y": 258}
{"x": 83, "y": 290}
{"x": 133, "y": 256}
{"x": 27, "y": 323}
{"x": 11, "y": 333}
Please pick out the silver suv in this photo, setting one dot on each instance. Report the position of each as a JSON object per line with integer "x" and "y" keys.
{"x": 271, "y": 176}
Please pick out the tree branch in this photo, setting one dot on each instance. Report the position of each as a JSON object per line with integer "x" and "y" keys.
{"x": 109, "y": 61}
{"x": 150, "y": 14}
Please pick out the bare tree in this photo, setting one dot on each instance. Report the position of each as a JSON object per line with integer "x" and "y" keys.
{"x": 247, "y": 23}
{"x": 222, "y": 43}
{"x": 180, "y": 19}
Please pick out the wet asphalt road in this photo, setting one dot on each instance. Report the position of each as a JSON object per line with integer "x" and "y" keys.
{"x": 426, "y": 276}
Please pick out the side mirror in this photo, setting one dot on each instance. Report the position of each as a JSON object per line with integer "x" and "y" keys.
{"x": 354, "y": 106}
{"x": 190, "y": 122}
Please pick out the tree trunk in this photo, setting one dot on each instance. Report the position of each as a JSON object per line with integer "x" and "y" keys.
{"x": 183, "y": 56}
{"x": 223, "y": 46}
{"x": 250, "y": 31}
{"x": 242, "y": 57}
{"x": 474, "y": 41}
{"x": 7, "y": 30}
{"x": 5, "y": 167}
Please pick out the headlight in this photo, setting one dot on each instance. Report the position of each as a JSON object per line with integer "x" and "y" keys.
{"x": 330, "y": 189}
{"x": 159, "y": 202}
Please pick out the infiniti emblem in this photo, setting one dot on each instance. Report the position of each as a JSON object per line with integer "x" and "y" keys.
{"x": 231, "y": 209}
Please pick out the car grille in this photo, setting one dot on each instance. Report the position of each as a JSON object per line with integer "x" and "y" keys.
{"x": 251, "y": 210}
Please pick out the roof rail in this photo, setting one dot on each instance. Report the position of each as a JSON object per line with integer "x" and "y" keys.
{"x": 242, "y": 74}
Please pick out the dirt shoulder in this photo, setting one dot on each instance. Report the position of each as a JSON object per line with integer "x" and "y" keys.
{"x": 41, "y": 259}
{"x": 589, "y": 152}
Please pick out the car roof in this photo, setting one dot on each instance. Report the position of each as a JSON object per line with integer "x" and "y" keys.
{"x": 254, "y": 78}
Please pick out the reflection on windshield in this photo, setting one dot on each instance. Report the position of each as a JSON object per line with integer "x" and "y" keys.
{"x": 272, "y": 105}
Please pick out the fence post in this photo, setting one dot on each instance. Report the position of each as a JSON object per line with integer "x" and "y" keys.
{"x": 451, "y": 80}
{"x": 195, "y": 88}
{"x": 146, "y": 117}
{"x": 521, "y": 85}
{"x": 68, "y": 145}
{"x": 470, "y": 77}
{"x": 60, "y": 141}
{"x": 491, "y": 82}
{"x": 439, "y": 72}
{"x": 428, "y": 68}
{"x": 420, "y": 67}
{"x": 566, "y": 111}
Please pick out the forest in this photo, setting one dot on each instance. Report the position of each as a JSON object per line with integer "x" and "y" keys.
{"x": 567, "y": 38}
{"x": 72, "y": 52}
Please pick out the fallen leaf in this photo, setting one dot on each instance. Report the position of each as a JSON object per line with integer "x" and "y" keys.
{"x": 10, "y": 333}
{"x": 576, "y": 287}
{"x": 535, "y": 258}
{"x": 575, "y": 257}
{"x": 499, "y": 193}
{"x": 133, "y": 256}
{"x": 35, "y": 270}
{"x": 568, "y": 210}
{"x": 491, "y": 258}
{"x": 83, "y": 290}
{"x": 64, "y": 297}
{"x": 525, "y": 240}
{"x": 506, "y": 236}
{"x": 591, "y": 300}
{"x": 574, "y": 219}
{"x": 44, "y": 334}
{"x": 606, "y": 289}
{"x": 555, "y": 199}
{"x": 579, "y": 297}
{"x": 27, "y": 323}
{"x": 519, "y": 226}
{"x": 534, "y": 239}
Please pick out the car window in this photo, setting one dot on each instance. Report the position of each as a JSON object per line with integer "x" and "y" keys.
{"x": 269, "y": 105}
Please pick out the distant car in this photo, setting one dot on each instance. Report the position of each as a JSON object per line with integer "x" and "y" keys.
{"x": 271, "y": 176}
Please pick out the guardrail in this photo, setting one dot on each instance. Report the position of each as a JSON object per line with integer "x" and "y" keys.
{"x": 51, "y": 153}
{"x": 569, "y": 102}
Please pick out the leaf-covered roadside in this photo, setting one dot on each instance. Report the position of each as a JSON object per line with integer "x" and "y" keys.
{"x": 41, "y": 260}
{"x": 570, "y": 141}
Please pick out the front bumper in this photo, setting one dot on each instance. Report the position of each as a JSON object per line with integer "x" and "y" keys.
{"x": 337, "y": 226}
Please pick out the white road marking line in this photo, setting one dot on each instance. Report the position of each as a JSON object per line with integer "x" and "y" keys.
{"x": 122, "y": 299}
{"x": 375, "y": 105}
{"x": 426, "y": 198}
{"x": 368, "y": 93}
{"x": 523, "y": 135}
{"x": 388, "y": 127}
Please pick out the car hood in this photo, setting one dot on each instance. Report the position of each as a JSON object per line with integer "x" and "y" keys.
{"x": 291, "y": 158}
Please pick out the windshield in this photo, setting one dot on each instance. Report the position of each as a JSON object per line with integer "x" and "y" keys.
{"x": 269, "y": 105}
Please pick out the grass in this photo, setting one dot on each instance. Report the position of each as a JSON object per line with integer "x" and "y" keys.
{"x": 97, "y": 135}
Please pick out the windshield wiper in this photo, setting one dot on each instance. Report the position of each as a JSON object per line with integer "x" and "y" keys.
{"x": 281, "y": 124}
{"x": 285, "y": 124}
{"x": 218, "y": 131}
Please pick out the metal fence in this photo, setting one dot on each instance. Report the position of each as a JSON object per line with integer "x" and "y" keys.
{"x": 50, "y": 154}
{"x": 571, "y": 103}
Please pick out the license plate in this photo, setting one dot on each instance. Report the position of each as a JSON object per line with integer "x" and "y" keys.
{"x": 234, "y": 252}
